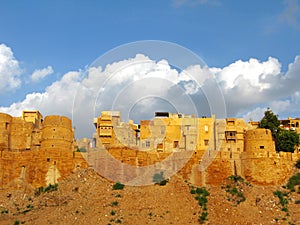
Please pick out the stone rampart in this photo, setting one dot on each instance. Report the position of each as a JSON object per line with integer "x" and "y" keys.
{"x": 261, "y": 164}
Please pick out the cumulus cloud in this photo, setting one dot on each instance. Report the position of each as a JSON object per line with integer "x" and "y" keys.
{"x": 57, "y": 98}
{"x": 139, "y": 86}
{"x": 38, "y": 75}
{"x": 252, "y": 83}
{"x": 253, "y": 71}
{"x": 10, "y": 70}
{"x": 126, "y": 86}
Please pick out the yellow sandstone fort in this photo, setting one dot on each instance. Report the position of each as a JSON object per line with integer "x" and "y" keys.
{"x": 37, "y": 150}
{"x": 41, "y": 150}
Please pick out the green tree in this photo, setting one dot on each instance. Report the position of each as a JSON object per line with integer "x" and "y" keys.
{"x": 286, "y": 141}
{"x": 270, "y": 121}
{"x": 298, "y": 164}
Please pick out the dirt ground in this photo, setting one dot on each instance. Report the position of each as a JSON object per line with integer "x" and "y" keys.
{"x": 87, "y": 198}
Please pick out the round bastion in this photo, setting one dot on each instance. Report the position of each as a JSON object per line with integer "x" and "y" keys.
{"x": 259, "y": 139}
{"x": 57, "y": 133}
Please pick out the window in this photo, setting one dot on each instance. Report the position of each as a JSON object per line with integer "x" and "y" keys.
{"x": 206, "y": 128}
{"x": 160, "y": 146}
{"x": 231, "y": 123}
{"x": 205, "y": 142}
{"x": 175, "y": 144}
{"x": 261, "y": 147}
{"x": 147, "y": 143}
{"x": 230, "y": 135}
{"x": 238, "y": 149}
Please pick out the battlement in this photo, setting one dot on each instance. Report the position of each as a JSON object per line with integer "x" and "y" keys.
{"x": 55, "y": 120}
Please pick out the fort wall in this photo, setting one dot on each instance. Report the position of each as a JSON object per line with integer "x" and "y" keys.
{"x": 43, "y": 151}
{"x": 261, "y": 164}
{"x": 39, "y": 152}
{"x": 5, "y": 123}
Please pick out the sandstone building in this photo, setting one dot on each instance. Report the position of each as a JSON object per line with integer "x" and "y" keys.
{"x": 231, "y": 145}
{"x": 40, "y": 151}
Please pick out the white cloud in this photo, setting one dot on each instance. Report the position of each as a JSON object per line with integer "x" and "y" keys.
{"x": 246, "y": 85}
{"x": 37, "y": 75}
{"x": 278, "y": 107}
{"x": 140, "y": 86}
{"x": 57, "y": 98}
{"x": 120, "y": 86}
{"x": 252, "y": 71}
{"x": 10, "y": 70}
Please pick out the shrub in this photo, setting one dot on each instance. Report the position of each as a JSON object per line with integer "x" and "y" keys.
{"x": 158, "y": 178}
{"x": 118, "y": 186}
{"x": 293, "y": 181}
{"x": 49, "y": 188}
{"x": 203, "y": 217}
{"x": 115, "y": 203}
{"x": 81, "y": 150}
{"x": 236, "y": 178}
{"x": 112, "y": 213}
{"x": 201, "y": 194}
{"x": 283, "y": 200}
{"x": 202, "y": 191}
{"x": 193, "y": 191}
{"x": 235, "y": 189}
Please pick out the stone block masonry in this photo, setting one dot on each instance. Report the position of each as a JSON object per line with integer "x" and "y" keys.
{"x": 38, "y": 151}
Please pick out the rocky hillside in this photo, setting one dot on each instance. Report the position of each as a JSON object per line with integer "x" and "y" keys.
{"x": 87, "y": 198}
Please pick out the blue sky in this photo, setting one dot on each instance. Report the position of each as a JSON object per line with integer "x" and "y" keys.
{"x": 57, "y": 37}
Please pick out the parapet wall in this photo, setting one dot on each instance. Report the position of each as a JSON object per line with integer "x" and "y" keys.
{"x": 5, "y": 121}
